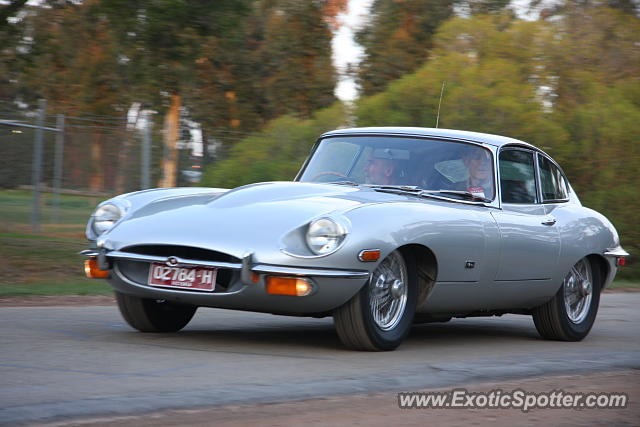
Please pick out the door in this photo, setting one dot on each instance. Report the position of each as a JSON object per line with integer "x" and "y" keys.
{"x": 529, "y": 240}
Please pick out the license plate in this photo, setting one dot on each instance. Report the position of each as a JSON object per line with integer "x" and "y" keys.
{"x": 197, "y": 278}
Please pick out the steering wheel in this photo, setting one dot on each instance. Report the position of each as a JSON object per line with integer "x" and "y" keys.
{"x": 318, "y": 175}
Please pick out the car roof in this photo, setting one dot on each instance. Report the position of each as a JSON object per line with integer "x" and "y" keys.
{"x": 483, "y": 138}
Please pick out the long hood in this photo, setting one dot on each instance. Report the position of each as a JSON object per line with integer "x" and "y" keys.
{"x": 249, "y": 218}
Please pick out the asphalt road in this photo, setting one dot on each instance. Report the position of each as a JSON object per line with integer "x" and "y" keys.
{"x": 62, "y": 362}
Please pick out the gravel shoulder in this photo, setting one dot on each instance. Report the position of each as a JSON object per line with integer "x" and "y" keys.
{"x": 382, "y": 409}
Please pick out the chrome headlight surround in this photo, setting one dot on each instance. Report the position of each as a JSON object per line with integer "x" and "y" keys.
{"x": 105, "y": 216}
{"x": 325, "y": 235}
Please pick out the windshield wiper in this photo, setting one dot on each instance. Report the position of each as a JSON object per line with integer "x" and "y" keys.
{"x": 403, "y": 188}
{"x": 399, "y": 188}
{"x": 465, "y": 194}
{"x": 417, "y": 191}
{"x": 354, "y": 184}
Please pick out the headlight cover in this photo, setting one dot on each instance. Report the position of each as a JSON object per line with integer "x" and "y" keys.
{"x": 324, "y": 236}
{"x": 105, "y": 217}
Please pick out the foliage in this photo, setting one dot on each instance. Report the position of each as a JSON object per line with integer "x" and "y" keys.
{"x": 276, "y": 152}
{"x": 398, "y": 38}
{"x": 236, "y": 64}
{"x": 569, "y": 83}
{"x": 570, "y": 86}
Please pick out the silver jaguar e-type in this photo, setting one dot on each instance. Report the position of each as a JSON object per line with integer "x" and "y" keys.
{"x": 382, "y": 228}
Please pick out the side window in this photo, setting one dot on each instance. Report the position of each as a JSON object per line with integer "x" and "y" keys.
{"x": 517, "y": 176}
{"x": 554, "y": 186}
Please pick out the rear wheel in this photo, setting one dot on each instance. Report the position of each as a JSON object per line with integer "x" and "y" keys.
{"x": 570, "y": 314}
{"x": 379, "y": 316}
{"x": 150, "y": 315}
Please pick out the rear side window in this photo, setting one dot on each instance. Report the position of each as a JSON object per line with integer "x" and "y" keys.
{"x": 517, "y": 176}
{"x": 554, "y": 186}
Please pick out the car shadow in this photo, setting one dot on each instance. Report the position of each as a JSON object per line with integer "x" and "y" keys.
{"x": 322, "y": 335}
{"x": 477, "y": 330}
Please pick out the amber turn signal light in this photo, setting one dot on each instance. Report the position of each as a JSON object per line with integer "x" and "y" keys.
{"x": 369, "y": 255}
{"x": 92, "y": 270}
{"x": 294, "y": 286}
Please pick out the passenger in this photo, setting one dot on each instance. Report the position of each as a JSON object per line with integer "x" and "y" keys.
{"x": 480, "y": 181}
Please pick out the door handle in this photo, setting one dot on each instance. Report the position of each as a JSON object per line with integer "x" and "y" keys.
{"x": 549, "y": 221}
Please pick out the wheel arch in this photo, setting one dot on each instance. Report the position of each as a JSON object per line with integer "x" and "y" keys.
{"x": 426, "y": 268}
{"x": 603, "y": 268}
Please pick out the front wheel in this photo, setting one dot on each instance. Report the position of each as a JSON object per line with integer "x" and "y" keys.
{"x": 570, "y": 314}
{"x": 150, "y": 315}
{"x": 379, "y": 316}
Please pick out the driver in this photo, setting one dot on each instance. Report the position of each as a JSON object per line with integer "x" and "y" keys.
{"x": 480, "y": 182}
{"x": 381, "y": 168}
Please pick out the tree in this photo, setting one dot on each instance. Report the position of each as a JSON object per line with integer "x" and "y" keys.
{"x": 491, "y": 76}
{"x": 569, "y": 86}
{"x": 288, "y": 58}
{"x": 275, "y": 153}
{"x": 398, "y": 38}
{"x": 565, "y": 7}
{"x": 10, "y": 10}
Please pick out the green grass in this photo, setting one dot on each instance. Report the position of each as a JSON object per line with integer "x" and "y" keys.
{"x": 44, "y": 265}
{"x": 624, "y": 284}
{"x": 47, "y": 263}
{"x": 27, "y": 259}
{"x": 77, "y": 287}
{"x": 69, "y": 219}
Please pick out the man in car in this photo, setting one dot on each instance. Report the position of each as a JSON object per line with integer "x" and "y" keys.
{"x": 480, "y": 181}
{"x": 382, "y": 168}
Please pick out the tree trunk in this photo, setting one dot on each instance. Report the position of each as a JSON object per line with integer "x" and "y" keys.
{"x": 96, "y": 181}
{"x": 171, "y": 134}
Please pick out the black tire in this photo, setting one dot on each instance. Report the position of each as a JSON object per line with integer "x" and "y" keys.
{"x": 552, "y": 319}
{"x": 355, "y": 322}
{"x": 150, "y": 315}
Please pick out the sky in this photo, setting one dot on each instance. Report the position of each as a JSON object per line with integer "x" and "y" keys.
{"x": 345, "y": 49}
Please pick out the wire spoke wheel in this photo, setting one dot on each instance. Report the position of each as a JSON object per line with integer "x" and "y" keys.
{"x": 388, "y": 292}
{"x": 379, "y": 316}
{"x": 570, "y": 314}
{"x": 578, "y": 291}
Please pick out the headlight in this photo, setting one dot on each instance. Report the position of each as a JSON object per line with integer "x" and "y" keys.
{"x": 105, "y": 217}
{"x": 324, "y": 236}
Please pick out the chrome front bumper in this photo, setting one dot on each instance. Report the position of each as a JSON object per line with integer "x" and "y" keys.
{"x": 332, "y": 287}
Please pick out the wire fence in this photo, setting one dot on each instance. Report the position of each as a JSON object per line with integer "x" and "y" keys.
{"x": 52, "y": 165}
{"x": 93, "y": 158}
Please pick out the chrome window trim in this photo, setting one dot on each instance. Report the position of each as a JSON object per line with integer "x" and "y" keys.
{"x": 535, "y": 172}
{"x": 566, "y": 181}
{"x": 495, "y": 202}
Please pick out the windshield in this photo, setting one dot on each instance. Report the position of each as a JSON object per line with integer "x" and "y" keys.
{"x": 403, "y": 161}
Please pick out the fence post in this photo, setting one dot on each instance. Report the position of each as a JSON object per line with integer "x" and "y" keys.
{"x": 145, "y": 177}
{"x": 36, "y": 171}
{"x": 58, "y": 165}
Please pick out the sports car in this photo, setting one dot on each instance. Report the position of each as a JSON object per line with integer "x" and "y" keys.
{"x": 381, "y": 228}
